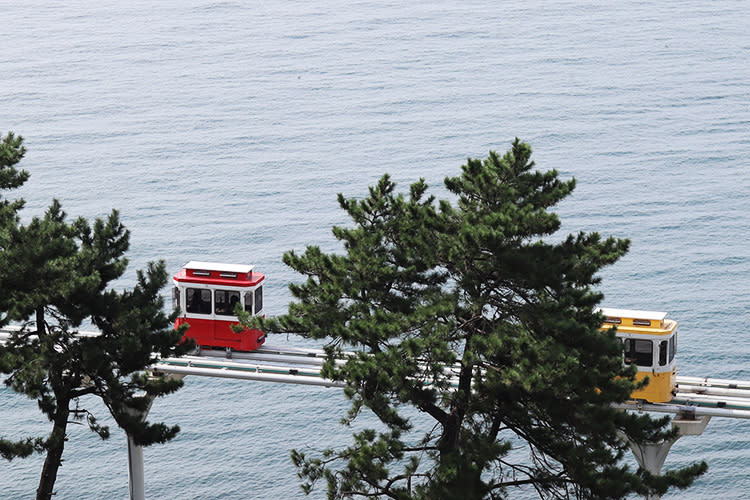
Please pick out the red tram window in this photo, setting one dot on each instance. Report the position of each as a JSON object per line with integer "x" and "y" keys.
{"x": 225, "y": 300}
{"x": 258, "y": 299}
{"x": 198, "y": 300}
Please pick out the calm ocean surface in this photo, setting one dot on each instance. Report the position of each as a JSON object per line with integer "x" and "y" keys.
{"x": 223, "y": 131}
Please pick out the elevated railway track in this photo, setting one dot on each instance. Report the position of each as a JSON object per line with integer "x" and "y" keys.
{"x": 292, "y": 365}
{"x": 695, "y": 400}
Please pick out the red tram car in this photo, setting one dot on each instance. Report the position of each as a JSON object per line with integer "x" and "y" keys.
{"x": 207, "y": 293}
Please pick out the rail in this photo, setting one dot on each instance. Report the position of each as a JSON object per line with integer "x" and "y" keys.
{"x": 699, "y": 396}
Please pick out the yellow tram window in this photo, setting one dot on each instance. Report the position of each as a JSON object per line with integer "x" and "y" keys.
{"x": 672, "y": 347}
{"x": 640, "y": 352}
{"x": 663, "y": 353}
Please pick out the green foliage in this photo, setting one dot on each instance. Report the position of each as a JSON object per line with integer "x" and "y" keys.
{"x": 472, "y": 315}
{"x": 11, "y": 152}
{"x": 54, "y": 275}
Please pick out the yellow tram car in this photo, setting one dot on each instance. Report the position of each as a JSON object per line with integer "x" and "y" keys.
{"x": 649, "y": 342}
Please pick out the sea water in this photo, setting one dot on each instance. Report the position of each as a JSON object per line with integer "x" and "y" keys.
{"x": 223, "y": 131}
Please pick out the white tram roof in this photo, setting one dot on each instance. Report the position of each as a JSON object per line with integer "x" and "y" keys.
{"x": 633, "y": 313}
{"x": 217, "y": 266}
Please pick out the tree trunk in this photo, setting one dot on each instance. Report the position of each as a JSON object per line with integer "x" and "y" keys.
{"x": 40, "y": 329}
{"x": 55, "y": 447}
{"x": 459, "y": 480}
{"x": 452, "y": 426}
{"x": 56, "y": 440}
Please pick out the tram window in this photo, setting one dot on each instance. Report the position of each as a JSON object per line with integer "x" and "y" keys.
{"x": 663, "y": 352}
{"x": 258, "y": 299}
{"x": 627, "y": 347}
{"x": 249, "y": 302}
{"x": 224, "y": 302}
{"x": 640, "y": 352}
{"x": 672, "y": 347}
{"x": 198, "y": 300}
{"x": 175, "y": 298}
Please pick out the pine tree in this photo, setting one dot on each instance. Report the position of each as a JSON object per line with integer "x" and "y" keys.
{"x": 55, "y": 275}
{"x": 11, "y": 152}
{"x": 472, "y": 314}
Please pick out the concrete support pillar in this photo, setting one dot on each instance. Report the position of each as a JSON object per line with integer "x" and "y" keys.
{"x": 136, "y": 481}
{"x": 651, "y": 456}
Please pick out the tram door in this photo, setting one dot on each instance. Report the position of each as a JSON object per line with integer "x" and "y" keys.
{"x": 224, "y": 305}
